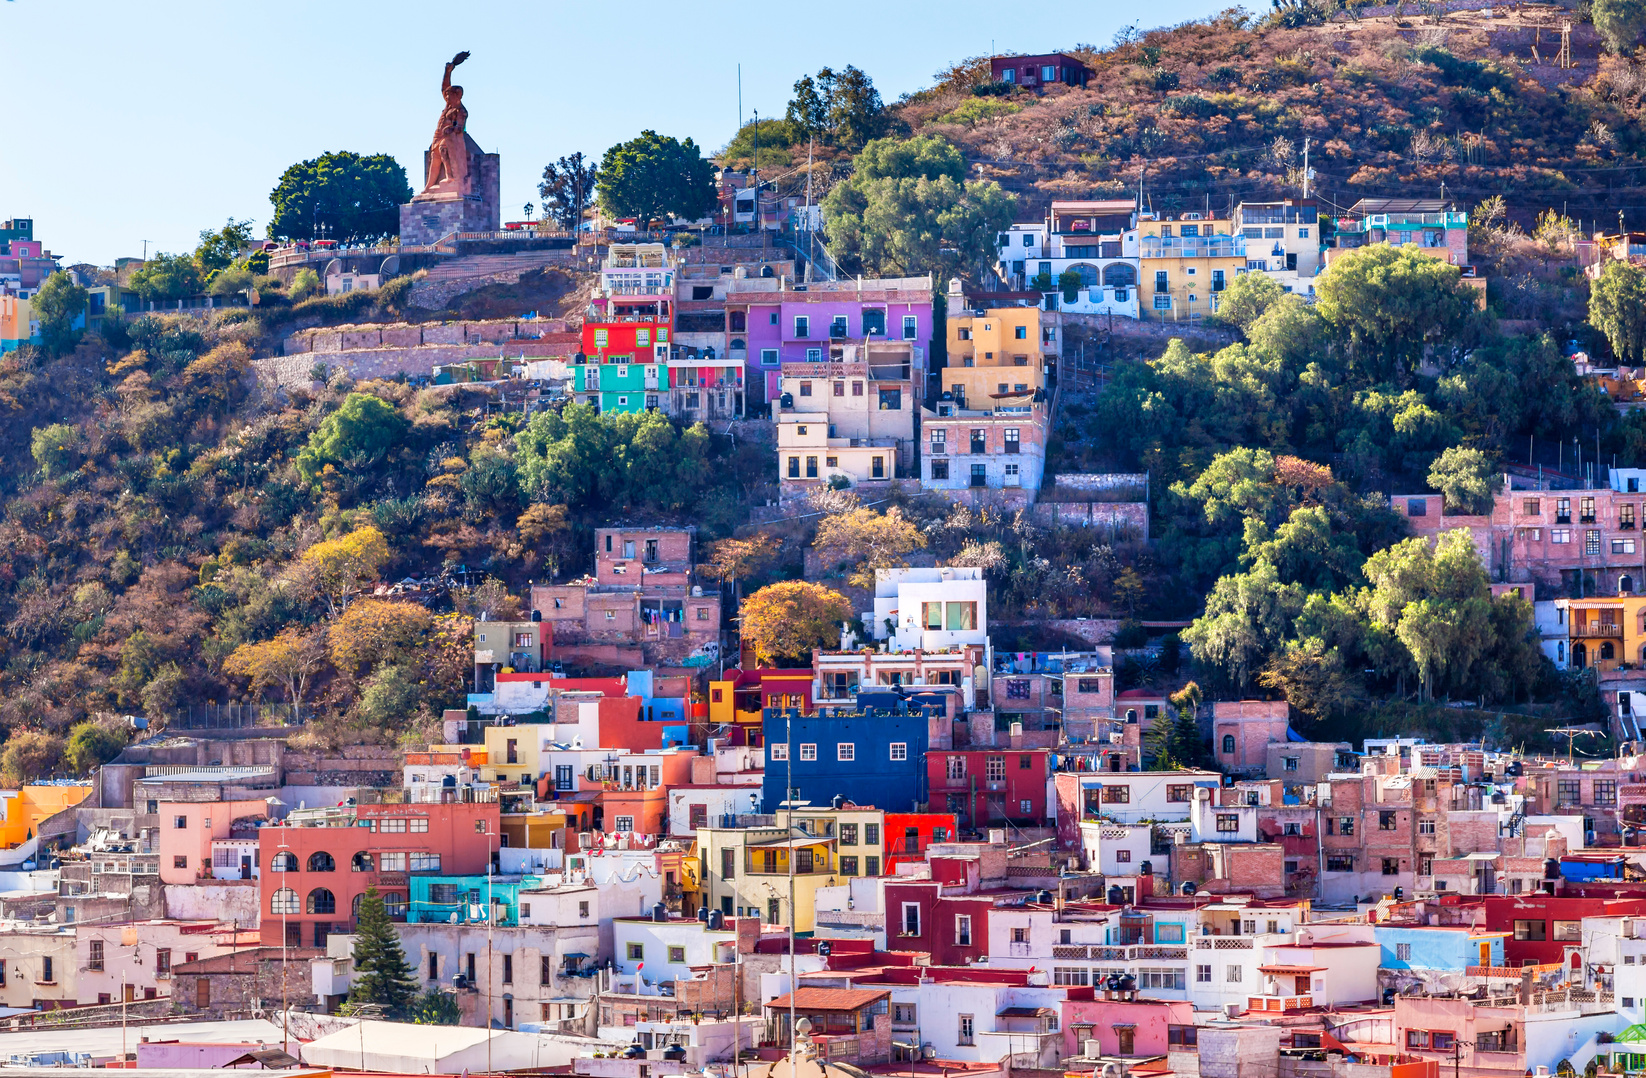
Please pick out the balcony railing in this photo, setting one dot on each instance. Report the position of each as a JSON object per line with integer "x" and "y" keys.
{"x": 1597, "y": 628}
{"x": 1194, "y": 247}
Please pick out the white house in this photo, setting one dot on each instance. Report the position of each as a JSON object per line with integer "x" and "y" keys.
{"x": 1095, "y": 240}
{"x": 669, "y": 949}
{"x": 930, "y": 609}
{"x": 1134, "y": 796}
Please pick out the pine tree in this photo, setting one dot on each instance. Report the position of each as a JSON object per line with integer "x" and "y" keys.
{"x": 381, "y": 973}
{"x": 1161, "y": 741}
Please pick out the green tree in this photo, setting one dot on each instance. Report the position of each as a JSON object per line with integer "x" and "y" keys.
{"x": 653, "y": 177}
{"x": 1390, "y": 304}
{"x": 1247, "y": 617}
{"x": 1617, "y": 307}
{"x": 362, "y": 431}
{"x": 1465, "y": 477}
{"x": 220, "y": 248}
{"x": 56, "y": 449}
{"x": 908, "y": 209}
{"x": 1315, "y": 680}
{"x": 1160, "y": 741}
{"x": 567, "y": 189}
{"x": 1619, "y": 23}
{"x": 436, "y": 1008}
{"x": 1247, "y": 298}
{"x": 304, "y": 283}
{"x": 1068, "y": 282}
{"x": 381, "y": 973}
{"x": 93, "y": 744}
{"x": 30, "y": 755}
{"x": 230, "y": 280}
{"x": 355, "y": 196}
{"x": 58, "y": 304}
{"x": 842, "y": 108}
{"x": 168, "y": 277}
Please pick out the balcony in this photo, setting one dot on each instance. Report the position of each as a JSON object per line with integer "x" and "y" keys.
{"x": 1279, "y": 1003}
{"x": 1193, "y": 247}
{"x": 1597, "y": 628}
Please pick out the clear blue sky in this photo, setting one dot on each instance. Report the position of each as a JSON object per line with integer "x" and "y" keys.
{"x": 130, "y": 122}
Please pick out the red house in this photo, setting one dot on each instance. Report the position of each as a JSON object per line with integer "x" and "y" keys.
{"x": 946, "y": 916}
{"x": 909, "y": 834}
{"x": 321, "y": 861}
{"x": 1540, "y": 927}
{"x": 1034, "y": 72}
{"x": 988, "y": 787}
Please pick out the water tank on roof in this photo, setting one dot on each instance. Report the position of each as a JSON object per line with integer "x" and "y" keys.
{"x": 717, "y": 920}
{"x": 703, "y": 914}
{"x": 786, "y": 400}
{"x": 1043, "y": 896}
{"x": 1146, "y": 869}
{"x": 766, "y": 271}
{"x": 660, "y": 912}
{"x": 1116, "y": 896}
{"x": 1188, "y": 887}
{"x": 537, "y": 615}
{"x": 836, "y": 801}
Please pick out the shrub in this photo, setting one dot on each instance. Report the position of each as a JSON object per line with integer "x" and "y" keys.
{"x": 992, "y": 89}
{"x": 1163, "y": 81}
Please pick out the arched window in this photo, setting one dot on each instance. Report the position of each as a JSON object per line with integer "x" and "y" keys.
{"x": 1131, "y": 715}
{"x": 394, "y": 904}
{"x": 1088, "y": 274}
{"x": 1228, "y": 744}
{"x": 1560, "y": 652}
{"x": 354, "y": 907}
{"x": 284, "y": 861}
{"x": 1120, "y": 275}
{"x": 361, "y": 862}
{"x": 322, "y": 901}
{"x": 284, "y": 901}
{"x": 320, "y": 861}
{"x": 1625, "y": 584}
{"x": 1606, "y": 650}
{"x": 1580, "y": 655}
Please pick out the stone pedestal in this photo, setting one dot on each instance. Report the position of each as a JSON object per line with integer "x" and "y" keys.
{"x": 428, "y": 218}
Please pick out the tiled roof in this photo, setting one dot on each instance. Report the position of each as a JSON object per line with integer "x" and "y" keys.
{"x": 829, "y": 999}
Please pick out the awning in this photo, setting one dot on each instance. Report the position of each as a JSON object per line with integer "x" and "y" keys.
{"x": 792, "y": 844}
{"x": 1124, "y": 1025}
{"x": 574, "y": 954}
{"x": 1025, "y": 1012}
{"x": 1298, "y": 970}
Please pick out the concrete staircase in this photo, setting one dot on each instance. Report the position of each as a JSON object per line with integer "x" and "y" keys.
{"x": 454, "y": 269}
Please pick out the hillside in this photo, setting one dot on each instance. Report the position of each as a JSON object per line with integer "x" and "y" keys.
{"x": 1216, "y": 111}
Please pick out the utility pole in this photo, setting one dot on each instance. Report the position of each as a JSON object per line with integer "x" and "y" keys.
{"x": 285, "y": 939}
{"x": 1305, "y": 170}
{"x": 788, "y": 822}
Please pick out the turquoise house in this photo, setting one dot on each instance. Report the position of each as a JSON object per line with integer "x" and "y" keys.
{"x": 463, "y": 900}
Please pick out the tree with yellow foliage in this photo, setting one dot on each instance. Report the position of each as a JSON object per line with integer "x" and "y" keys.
{"x": 346, "y": 563}
{"x": 290, "y": 660}
{"x": 372, "y": 631}
{"x": 867, "y": 541}
{"x": 790, "y": 618}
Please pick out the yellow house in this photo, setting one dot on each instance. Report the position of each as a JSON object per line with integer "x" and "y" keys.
{"x": 1184, "y": 263}
{"x": 746, "y": 870}
{"x": 1604, "y": 631}
{"x": 22, "y": 811}
{"x": 1000, "y": 350}
{"x": 743, "y": 697}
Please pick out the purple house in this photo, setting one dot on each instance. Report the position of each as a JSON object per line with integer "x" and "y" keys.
{"x": 772, "y": 321}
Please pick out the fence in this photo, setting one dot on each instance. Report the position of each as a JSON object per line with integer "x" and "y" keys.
{"x": 233, "y": 716}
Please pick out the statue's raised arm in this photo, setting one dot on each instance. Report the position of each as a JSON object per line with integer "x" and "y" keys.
{"x": 446, "y": 83}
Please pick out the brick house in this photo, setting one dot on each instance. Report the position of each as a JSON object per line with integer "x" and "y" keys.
{"x": 1039, "y": 71}
{"x": 1242, "y": 731}
{"x": 984, "y": 787}
{"x": 999, "y": 443}
{"x": 643, "y": 592}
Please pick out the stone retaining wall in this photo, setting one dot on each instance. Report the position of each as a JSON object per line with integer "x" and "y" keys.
{"x": 408, "y": 335}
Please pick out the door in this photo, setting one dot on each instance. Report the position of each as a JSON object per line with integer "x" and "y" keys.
{"x": 130, "y": 991}
{"x": 1126, "y": 1039}
{"x": 1485, "y": 954}
{"x": 245, "y": 866}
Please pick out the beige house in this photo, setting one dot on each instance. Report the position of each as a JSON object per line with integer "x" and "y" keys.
{"x": 853, "y": 418}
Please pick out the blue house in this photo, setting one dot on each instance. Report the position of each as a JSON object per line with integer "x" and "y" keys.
{"x": 1452, "y": 948}
{"x": 871, "y": 754}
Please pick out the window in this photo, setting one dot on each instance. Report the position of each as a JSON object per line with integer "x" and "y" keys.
{"x": 179, "y": 861}
{"x": 1227, "y": 823}
{"x": 1606, "y": 789}
{"x": 802, "y": 326}
{"x": 94, "y": 956}
{"x": 1532, "y": 507}
{"x": 1530, "y": 931}
{"x": 1203, "y": 974}
{"x": 1161, "y": 978}
{"x": 1560, "y": 535}
{"x": 1623, "y": 546}
{"x": 1345, "y": 825}
{"x": 1385, "y": 821}
{"x": 1122, "y": 857}
{"x": 967, "y": 1034}
{"x": 1217, "y": 280}
{"x": 1417, "y": 1038}
{"x": 1231, "y": 974}
{"x": 911, "y": 327}
{"x": 899, "y": 751}
{"x": 1117, "y": 795}
{"x": 1391, "y": 866}
{"x": 1013, "y": 440}
{"x": 1179, "y": 792}
{"x": 994, "y": 768}
{"x": 963, "y": 930}
{"x": 1340, "y": 863}
{"x": 911, "y": 919}
{"x": 1403, "y": 952}
{"x": 1442, "y": 1040}
{"x": 1569, "y": 931}
{"x": 180, "y": 822}
{"x": 637, "y": 952}
{"x": 624, "y": 823}
{"x": 1289, "y": 763}
{"x": 424, "y": 862}
{"x": 1183, "y": 1036}
{"x": 1417, "y": 507}
{"x": 1070, "y": 975}
{"x": 960, "y": 617}
{"x": 777, "y": 752}
{"x": 955, "y": 767}
{"x": 808, "y": 752}
{"x": 1568, "y": 792}
{"x": 677, "y": 955}
{"x": 1228, "y": 743}
{"x": 805, "y": 391}
{"x": 1591, "y": 542}
{"x": 284, "y": 901}
{"x": 845, "y": 750}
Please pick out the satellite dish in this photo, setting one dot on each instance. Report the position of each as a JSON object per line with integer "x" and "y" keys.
{"x": 390, "y": 266}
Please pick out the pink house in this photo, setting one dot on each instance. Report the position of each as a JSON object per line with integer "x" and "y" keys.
{"x": 1242, "y": 731}
{"x": 1122, "y": 1027}
{"x": 195, "y": 836}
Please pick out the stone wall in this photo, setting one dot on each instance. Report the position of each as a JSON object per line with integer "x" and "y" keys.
{"x": 356, "y": 765}
{"x": 1124, "y": 521}
{"x": 408, "y": 335}
{"x": 223, "y": 900}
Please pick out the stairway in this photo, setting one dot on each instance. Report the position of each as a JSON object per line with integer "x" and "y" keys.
{"x": 452, "y": 269}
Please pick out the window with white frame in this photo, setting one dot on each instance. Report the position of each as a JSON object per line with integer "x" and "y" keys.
{"x": 899, "y": 751}
{"x": 808, "y": 751}
{"x": 777, "y": 751}
{"x": 845, "y": 750}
